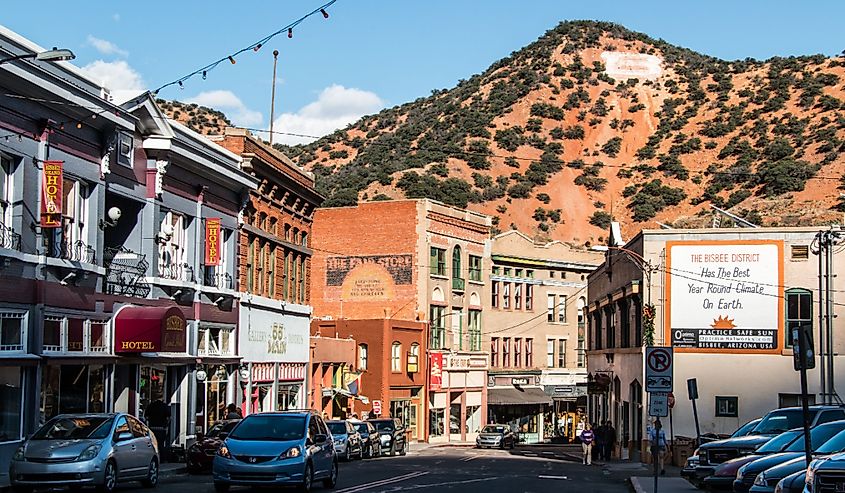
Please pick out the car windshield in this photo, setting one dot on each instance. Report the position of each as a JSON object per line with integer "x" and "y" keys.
{"x": 221, "y": 428}
{"x": 833, "y": 446}
{"x": 270, "y": 428}
{"x": 384, "y": 425}
{"x": 778, "y": 421}
{"x": 337, "y": 428}
{"x": 362, "y": 428}
{"x": 780, "y": 442}
{"x": 746, "y": 428}
{"x": 818, "y": 436}
{"x": 64, "y": 428}
{"x": 494, "y": 429}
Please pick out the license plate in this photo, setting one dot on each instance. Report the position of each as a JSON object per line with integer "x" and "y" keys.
{"x": 840, "y": 487}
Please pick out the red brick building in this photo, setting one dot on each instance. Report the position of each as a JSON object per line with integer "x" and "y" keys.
{"x": 331, "y": 359}
{"x": 413, "y": 260}
{"x": 390, "y": 359}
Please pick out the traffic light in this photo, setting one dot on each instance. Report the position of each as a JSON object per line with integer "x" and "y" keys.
{"x": 803, "y": 350}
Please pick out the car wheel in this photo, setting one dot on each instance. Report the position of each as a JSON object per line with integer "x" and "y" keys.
{"x": 403, "y": 450}
{"x": 360, "y": 452}
{"x": 152, "y": 475}
{"x": 513, "y": 444}
{"x": 331, "y": 481}
{"x": 307, "y": 479}
{"x": 109, "y": 478}
{"x": 221, "y": 487}
{"x": 347, "y": 456}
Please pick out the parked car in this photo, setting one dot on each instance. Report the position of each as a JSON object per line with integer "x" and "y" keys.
{"x": 752, "y": 474}
{"x": 86, "y": 450}
{"x": 794, "y": 483}
{"x": 391, "y": 434}
{"x": 725, "y": 474}
{"x": 201, "y": 454}
{"x": 826, "y": 475}
{"x": 692, "y": 462}
{"x": 774, "y": 423}
{"x": 369, "y": 438}
{"x": 347, "y": 440}
{"x": 286, "y": 448}
{"x": 766, "y": 481}
{"x": 500, "y": 436}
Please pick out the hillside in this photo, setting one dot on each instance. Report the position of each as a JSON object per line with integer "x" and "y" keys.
{"x": 593, "y": 121}
{"x": 201, "y": 119}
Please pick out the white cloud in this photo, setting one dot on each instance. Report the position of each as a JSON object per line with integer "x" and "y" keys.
{"x": 231, "y": 105}
{"x": 106, "y": 47}
{"x": 335, "y": 108}
{"x": 123, "y": 81}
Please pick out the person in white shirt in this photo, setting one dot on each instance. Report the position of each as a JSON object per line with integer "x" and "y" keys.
{"x": 657, "y": 437}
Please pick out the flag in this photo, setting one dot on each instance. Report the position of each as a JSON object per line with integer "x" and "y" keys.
{"x": 351, "y": 381}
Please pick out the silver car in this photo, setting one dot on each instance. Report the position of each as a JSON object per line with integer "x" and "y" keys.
{"x": 86, "y": 450}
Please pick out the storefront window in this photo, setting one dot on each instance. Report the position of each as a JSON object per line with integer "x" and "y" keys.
{"x": 53, "y": 333}
{"x": 286, "y": 396}
{"x": 10, "y": 404}
{"x": 435, "y": 422}
{"x": 215, "y": 398}
{"x": 12, "y": 331}
{"x": 152, "y": 391}
{"x": 473, "y": 423}
{"x": 96, "y": 389}
{"x": 455, "y": 419}
{"x": 72, "y": 389}
{"x": 262, "y": 397}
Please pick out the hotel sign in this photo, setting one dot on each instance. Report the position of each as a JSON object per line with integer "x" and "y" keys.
{"x": 51, "y": 194}
{"x": 150, "y": 329}
{"x": 212, "y": 241}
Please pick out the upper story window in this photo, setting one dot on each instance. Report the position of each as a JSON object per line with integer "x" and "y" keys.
{"x": 218, "y": 275}
{"x": 456, "y": 262}
{"x": 506, "y": 296}
{"x": 437, "y": 261}
{"x": 556, "y": 308}
{"x": 172, "y": 247}
{"x": 437, "y": 315}
{"x": 12, "y": 331}
{"x": 506, "y": 352}
{"x": 214, "y": 341}
{"x": 529, "y": 352}
{"x": 495, "y": 294}
{"x": 494, "y": 352}
{"x": 517, "y": 296}
{"x": 529, "y": 297}
{"x": 415, "y": 352}
{"x": 474, "y": 268}
{"x": 363, "y": 350}
{"x": 75, "y": 335}
{"x": 125, "y": 148}
{"x": 474, "y": 330}
{"x": 287, "y": 232}
{"x": 582, "y": 304}
{"x": 396, "y": 357}
{"x": 517, "y": 352}
{"x": 304, "y": 241}
{"x": 6, "y": 192}
{"x": 69, "y": 242}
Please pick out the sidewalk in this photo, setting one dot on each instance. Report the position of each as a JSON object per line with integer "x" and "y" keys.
{"x": 664, "y": 485}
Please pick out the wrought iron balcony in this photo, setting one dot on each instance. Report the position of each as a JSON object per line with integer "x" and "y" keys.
{"x": 125, "y": 271}
{"x": 458, "y": 284}
{"x": 9, "y": 239}
{"x": 221, "y": 280}
{"x": 175, "y": 271}
{"x": 75, "y": 251}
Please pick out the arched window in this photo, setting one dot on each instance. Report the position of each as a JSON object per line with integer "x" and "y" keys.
{"x": 415, "y": 352}
{"x": 582, "y": 303}
{"x": 362, "y": 356}
{"x": 456, "y": 262}
{"x": 396, "y": 357}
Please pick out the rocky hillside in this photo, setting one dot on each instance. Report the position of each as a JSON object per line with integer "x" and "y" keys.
{"x": 201, "y": 119}
{"x": 593, "y": 122}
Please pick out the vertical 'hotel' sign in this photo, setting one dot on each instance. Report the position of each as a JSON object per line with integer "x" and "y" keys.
{"x": 51, "y": 195}
{"x": 212, "y": 241}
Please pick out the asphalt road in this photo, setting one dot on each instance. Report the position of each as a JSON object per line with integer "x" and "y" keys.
{"x": 447, "y": 469}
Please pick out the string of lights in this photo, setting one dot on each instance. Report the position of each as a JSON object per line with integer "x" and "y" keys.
{"x": 254, "y": 47}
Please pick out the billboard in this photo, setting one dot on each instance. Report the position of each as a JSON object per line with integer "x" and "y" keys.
{"x": 725, "y": 296}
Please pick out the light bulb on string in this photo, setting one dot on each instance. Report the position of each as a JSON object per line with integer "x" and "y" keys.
{"x": 257, "y": 47}
{"x": 78, "y": 124}
{"x": 204, "y": 74}
{"x": 232, "y": 60}
{"x": 290, "y": 32}
{"x": 181, "y": 86}
{"x": 325, "y": 14}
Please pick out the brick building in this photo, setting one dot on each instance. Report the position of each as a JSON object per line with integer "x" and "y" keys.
{"x": 392, "y": 371}
{"x": 332, "y": 358}
{"x": 274, "y": 260}
{"x": 414, "y": 260}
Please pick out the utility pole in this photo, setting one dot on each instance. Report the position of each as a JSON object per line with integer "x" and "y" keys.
{"x": 273, "y": 95}
{"x": 823, "y": 246}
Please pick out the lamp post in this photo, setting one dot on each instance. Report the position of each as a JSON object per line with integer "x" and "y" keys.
{"x": 54, "y": 55}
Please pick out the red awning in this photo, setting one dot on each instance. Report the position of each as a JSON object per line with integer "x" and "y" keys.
{"x": 149, "y": 329}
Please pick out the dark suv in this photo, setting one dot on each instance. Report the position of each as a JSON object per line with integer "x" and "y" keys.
{"x": 774, "y": 423}
{"x": 391, "y": 434}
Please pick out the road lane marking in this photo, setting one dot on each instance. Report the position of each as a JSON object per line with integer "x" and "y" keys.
{"x": 383, "y": 482}
{"x": 552, "y": 477}
{"x": 447, "y": 483}
{"x": 467, "y": 459}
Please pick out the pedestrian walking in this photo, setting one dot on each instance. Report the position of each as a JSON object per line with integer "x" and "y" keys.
{"x": 657, "y": 438}
{"x": 587, "y": 437}
{"x": 609, "y": 440}
{"x": 598, "y": 441}
{"x": 232, "y": 412}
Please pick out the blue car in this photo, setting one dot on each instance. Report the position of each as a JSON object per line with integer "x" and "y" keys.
{"x": 292, "y": 448}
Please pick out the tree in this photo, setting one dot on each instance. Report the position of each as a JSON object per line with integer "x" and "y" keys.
{"x": 602, "y": 219}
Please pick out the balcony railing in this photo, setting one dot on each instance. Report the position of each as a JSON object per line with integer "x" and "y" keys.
{"x": 176, "y": 271}
{"x": 75, "y": 251}
{"x": 125, "y": 271}
{"x": 222, "y": 280}
{"x": 458, "y": 284}
{"x": 9, "y": 239}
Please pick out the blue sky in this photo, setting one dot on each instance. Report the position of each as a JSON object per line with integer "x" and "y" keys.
{"x": 371, "y": 54}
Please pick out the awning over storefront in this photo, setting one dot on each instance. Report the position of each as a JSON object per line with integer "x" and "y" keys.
{"x": 515, "y": 396}
{"x": 149, "y": 329}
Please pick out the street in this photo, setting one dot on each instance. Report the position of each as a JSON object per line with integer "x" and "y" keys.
{"x": 451, "y": 468}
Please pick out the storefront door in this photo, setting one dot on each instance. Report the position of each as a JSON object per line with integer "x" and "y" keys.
{"x": 262, "y": 397}
{"x": 456, "y": 418}
{"x": 286, "y": 396}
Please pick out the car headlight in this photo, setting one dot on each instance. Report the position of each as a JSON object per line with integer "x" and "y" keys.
{"x": 291, "y": 453}
{"x": 385, "y": 439}
{"x": 19, "y": 453}
{"x": 740, "y": 473}
{"x": 223, "y": 451}
{"x": 760, "y": 480}
{"x": 89, "y": 453}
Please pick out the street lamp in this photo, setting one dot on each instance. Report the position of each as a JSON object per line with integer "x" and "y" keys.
{"x": 54, "y": 55}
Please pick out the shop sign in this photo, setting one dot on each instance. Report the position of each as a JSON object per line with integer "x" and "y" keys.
{"x": 413, "y": 363}
{"x": 266, "y": 335}
{"x": 728, "y": 298}
{"x": 51, "y": 194}
{"x": 435, "y": 381}
{"x": 212, "y": 241}
{"x": 519, "y": 381}
{"x": 150, "y": 329}
{"x": 399, "y": 267}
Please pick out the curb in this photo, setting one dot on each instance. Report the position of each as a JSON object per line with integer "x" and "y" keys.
{"x": 635, "y": 483}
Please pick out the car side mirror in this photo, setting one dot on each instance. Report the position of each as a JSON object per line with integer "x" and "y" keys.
{"x": 123, "y": 436}
{"x": 319, "y": 439}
